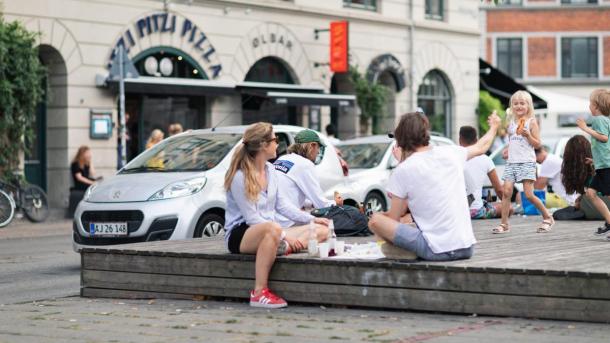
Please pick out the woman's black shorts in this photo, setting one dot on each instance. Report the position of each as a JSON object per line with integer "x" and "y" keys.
{"x": 236, "y": 236}
{"x": 601, "y": 181}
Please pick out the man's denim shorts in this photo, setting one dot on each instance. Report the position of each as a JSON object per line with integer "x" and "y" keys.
{"x": 410, "y": 237}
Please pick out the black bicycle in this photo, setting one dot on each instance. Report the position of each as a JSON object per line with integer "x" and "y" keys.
{"x": 19, "y": 195}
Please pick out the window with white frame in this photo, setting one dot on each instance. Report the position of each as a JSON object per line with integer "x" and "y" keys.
{"x": 435, "y": 9}
{"x": 509, "y": 56}
{"x": 434, "y": 96}
{"x": 370, "y": 5}
{"x": 579, "y": 57}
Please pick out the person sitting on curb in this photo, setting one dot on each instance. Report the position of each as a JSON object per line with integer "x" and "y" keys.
{"x": 252, "y": 202}
{"x": 430, "y": 182}
{"x": 550, "y": 174}
{"x": 297, "y": 175}
{"x": 478, "y": 170}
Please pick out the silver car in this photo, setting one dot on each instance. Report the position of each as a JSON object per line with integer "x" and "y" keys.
{"x": 174, "y": 190}
{"x": 370, "y": 163}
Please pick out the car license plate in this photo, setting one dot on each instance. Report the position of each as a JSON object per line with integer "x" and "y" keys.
{"x": 108, "y": 229}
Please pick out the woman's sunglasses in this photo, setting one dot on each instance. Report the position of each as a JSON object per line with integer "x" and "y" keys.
{"x": 274, "y": 139}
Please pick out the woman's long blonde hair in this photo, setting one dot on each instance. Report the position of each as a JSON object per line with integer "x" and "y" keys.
{"x": 256, "y": 137}
{"x": 510, "y": 116}
{"x": 155, "y": 137}
{"x": 79, "y": 157}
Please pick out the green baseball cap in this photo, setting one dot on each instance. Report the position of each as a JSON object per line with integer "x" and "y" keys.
{"x": 308, "y": 136}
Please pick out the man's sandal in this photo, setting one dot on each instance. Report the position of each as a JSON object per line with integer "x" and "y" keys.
{"x": 546, "y": 226}
{"x": 502, "y": 228}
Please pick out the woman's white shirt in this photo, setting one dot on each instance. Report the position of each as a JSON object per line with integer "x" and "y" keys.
{"x": 432, "y": 182}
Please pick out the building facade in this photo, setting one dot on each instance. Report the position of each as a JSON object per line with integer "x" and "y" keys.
{"x": 208, "y": 63}
{"x": 557, "y": 46}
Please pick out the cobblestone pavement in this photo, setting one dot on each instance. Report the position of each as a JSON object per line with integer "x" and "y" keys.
{"x": 76, "y": 319}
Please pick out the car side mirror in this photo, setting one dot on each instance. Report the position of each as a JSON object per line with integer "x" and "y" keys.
{"x": 392, "y": 163}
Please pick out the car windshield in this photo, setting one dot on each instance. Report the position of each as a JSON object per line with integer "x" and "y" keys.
{"x": 184, "y": 153}
{"x": 366, "y": 155}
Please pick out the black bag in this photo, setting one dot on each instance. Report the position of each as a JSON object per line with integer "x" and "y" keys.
{"x": 569, "y": 213}
{"x": 348, "y": 220}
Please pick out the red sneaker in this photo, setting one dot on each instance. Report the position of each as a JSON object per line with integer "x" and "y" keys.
{"x": 267, "y": 300}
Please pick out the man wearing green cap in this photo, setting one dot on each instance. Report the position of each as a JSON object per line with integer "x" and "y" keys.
{"x": 297, "y": 175}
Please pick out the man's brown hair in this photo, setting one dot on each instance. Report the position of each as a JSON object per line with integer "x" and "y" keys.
{"x": 412, "y": 132}
{"x": 601, "y": 99}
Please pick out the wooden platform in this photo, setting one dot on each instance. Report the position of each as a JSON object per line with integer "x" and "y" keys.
{"x": 562, "y": 275}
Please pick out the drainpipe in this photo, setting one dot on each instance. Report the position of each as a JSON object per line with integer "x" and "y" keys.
{"x": 411, "y": 54}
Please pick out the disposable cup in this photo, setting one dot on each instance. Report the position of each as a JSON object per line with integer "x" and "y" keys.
{"x": 323, "y": 249}
{"x": 340, "y": 247}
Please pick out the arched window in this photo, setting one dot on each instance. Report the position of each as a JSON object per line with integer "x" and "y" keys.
{"x": 269, "y": 69}
{"x": 434, "y": 97}
{"x": 167, "y": 62}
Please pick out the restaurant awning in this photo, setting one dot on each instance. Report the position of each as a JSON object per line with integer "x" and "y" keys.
{"x": 503, "y": 86}
{"x": 172, "y": 85}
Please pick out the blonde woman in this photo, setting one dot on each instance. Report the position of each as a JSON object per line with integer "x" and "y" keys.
{"x": 82, "y": 170}
{"x": 252, "y": 201}
{"x": 155, "y": 137}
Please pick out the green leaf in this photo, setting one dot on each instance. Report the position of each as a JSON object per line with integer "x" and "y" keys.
{"x": 21, "y": 79}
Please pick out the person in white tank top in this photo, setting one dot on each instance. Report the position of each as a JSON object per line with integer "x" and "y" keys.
{"x": 523, "y": 138}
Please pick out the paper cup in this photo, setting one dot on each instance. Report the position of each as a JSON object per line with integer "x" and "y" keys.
{"x": 323, "y": 250}
{"x": 340, "y": 247}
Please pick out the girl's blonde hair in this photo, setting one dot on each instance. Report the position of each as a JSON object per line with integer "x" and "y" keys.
{"x": 80, "y": 155}
{"x": 256, "y": 137}
{"x": 155, "y": 136}
{"x": 530, "y": 105}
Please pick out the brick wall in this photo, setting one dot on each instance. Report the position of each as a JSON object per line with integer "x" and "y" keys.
{"x": 489, "y": 51}
{"x": 573, "y": 19}
{"x": 541, "y": 59}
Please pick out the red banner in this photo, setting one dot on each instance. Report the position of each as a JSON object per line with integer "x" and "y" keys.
{"x": 339, "y": 61}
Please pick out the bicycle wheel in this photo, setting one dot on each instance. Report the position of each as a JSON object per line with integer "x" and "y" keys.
{"x": 7, "y": 209}
{"x": 34, "y": 203}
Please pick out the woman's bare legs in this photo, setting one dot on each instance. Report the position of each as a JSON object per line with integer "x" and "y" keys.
{"x": 301, "y": 234}
{"x": 261, "y": 239}
{"x": 383, "y": 227}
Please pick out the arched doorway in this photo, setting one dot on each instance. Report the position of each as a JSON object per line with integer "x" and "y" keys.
{"x": 344, "y": 119}
{"x": 388, "y": 117}
{"x": 51, "y": 121}
{"x": 256, "y": 108}
{"x": 147, "y": 111}
{"x": 435, "y": 98}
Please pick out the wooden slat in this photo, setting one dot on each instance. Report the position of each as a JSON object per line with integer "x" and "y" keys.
{"x": 396, "y": 298}
{"x": 390, "y": 275}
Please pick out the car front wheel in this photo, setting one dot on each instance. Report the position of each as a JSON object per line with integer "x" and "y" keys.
{"x": 210, "y": 225}
{"x": 376, "y": 202}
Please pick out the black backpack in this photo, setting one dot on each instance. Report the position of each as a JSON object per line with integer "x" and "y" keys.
{"x": 348, "y": 220}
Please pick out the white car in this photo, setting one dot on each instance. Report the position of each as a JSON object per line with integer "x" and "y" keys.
{"x": 370, "y": 163}
{"x": 174, "y": 190}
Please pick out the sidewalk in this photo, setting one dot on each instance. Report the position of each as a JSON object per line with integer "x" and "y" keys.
{"x": 77, "y": 319}
{"x": 23, "y": 228}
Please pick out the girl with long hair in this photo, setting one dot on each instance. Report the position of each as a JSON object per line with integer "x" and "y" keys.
{"x": 252, "y": 201}
{"x": 524, "y": 138}
{"x": 577, "y": 167}
{"x": 82, "y": 169}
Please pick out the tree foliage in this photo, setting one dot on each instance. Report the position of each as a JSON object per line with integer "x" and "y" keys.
{"x": 487, "y": 104}
{"x": 21, "y": 75}
{"x": 371, "y": 98}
